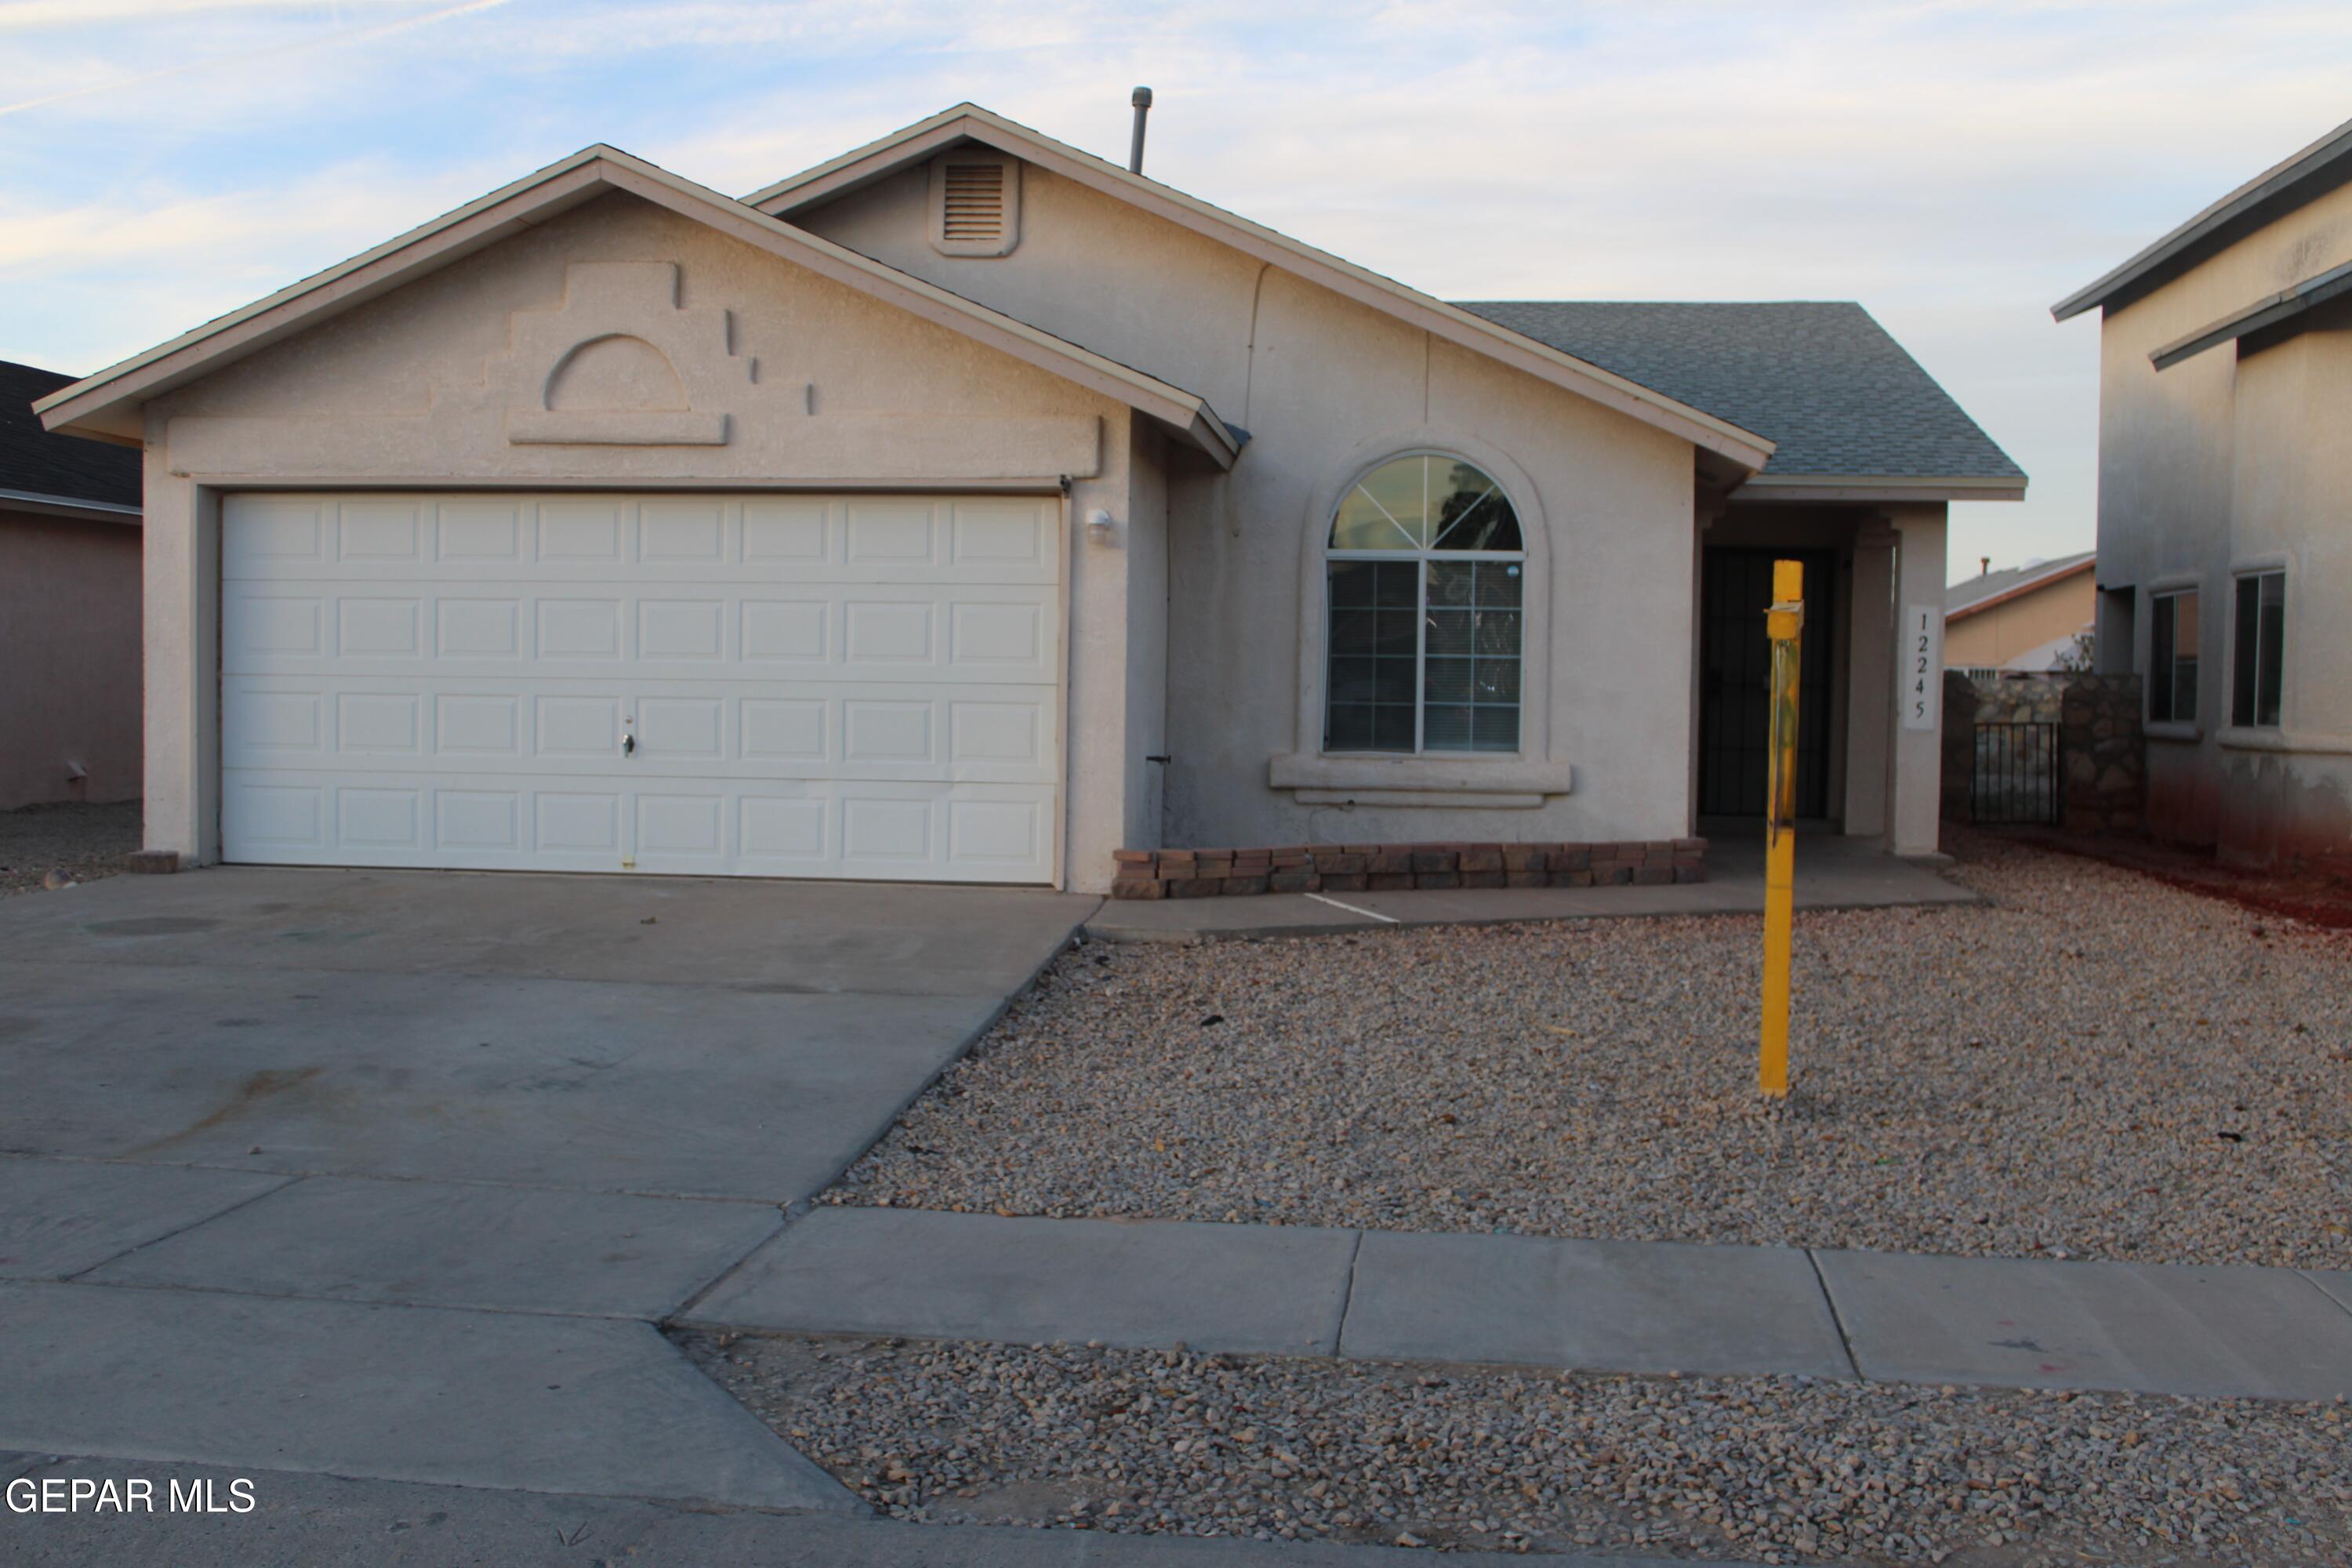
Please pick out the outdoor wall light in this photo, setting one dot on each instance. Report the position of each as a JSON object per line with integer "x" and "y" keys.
{"x": 1100, "y": 529}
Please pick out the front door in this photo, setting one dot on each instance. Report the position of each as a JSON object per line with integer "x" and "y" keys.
{"x": 1735, "y": 681}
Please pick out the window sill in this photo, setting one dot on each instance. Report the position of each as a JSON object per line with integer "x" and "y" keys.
{"x": 2244, "y": 738}
{"x": 1469, "y": 780}
{"x": 2173, "y": 730}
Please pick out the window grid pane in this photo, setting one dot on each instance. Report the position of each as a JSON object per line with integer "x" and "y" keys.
{"x": 2270, "y": 651}
{"x": 2241, "y": 661}
{"x": 1371, "y": 629}
{"x": 1470, "y": 670}
{"x": 2258, "y": 650}
{"x": 2183, "y": 674}
{"x": 2159, "y": 659}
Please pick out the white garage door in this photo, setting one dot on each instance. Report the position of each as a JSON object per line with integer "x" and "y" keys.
{"x": 766, "y": 685}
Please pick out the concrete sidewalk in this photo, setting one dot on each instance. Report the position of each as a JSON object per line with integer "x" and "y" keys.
{"x": 1604, "y": 1306}
{"x": 1832, "y": 873}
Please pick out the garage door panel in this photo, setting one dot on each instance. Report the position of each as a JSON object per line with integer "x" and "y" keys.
{"x": 742, "y": 729}
{"x": 1005, "y": 540}
{"x": 815, "y": 686}
{"x": 909, "y": 632}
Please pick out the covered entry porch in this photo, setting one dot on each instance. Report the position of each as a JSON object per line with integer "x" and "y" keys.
{"x": 1868, "y": 761}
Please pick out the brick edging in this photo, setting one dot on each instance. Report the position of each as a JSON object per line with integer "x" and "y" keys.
{"x": 1388, "y": 868}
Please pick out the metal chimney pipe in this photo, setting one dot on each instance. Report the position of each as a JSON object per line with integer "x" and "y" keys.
{"x": 1984, "y": 565}
{"x": 1142, "y": 99}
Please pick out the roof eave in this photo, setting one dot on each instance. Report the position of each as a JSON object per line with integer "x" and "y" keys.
{"x": 103, "y": 403}
{"x": 43, "y": 504}
{"x": 969, "y": 121}
{"x": 2017, "y": 589}
{"x": 2270, "y": 311}
{"x": 2273, "y": 184}
{"x": 1882, "y": 487}
{"x": 92, "y": 406}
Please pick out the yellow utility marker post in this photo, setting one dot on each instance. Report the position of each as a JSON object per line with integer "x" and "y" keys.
{"x": 1782, "y": 623}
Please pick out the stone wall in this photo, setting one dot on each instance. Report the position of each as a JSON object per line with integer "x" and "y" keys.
{"x": 1385, "y": 867}
{"x": 2105, "y": 754}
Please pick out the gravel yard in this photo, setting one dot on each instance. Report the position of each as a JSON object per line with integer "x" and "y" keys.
{"x": 2098, "y": 1065}
{"x": 86, "y": 842}
{"x": 1770, "y": 1470}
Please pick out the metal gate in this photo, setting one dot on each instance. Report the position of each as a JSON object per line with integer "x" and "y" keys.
{"x": 2016, "y": 774}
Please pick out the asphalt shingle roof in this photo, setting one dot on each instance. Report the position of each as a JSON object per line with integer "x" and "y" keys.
{"x": 33, "y": 459}
{"x": 1986, "y": 586}
{"x": 1821, "y": 379}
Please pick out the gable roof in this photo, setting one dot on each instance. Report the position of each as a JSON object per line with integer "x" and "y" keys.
{"x": 1735, "y": 444}
{"x": 107, "y": 403}
{"x": 1846, "y": 405}
{"x": 58, "y": 473}
{"x": 2277, "y": 191}
{"x": 1984, "y": 591}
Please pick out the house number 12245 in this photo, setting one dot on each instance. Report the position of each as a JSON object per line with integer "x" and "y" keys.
{"x": 1922, "y": 675}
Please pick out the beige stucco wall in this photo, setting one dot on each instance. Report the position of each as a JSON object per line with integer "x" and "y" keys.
{"x": 1992, "y": 637}
{"x": 1327, "y": 388}
{"x": 414, "y": 388}
{"x": 69, "y": 640}
{"x": 2234, "y": 459}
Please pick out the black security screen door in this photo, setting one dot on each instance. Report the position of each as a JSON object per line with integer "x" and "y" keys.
{"x": 1735, "y": 682}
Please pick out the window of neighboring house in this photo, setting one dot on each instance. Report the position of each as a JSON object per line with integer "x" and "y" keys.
{"x": 1424, "y": 589}
{"x": 2172, "y": 657}
{"x": 2257, "y": 661}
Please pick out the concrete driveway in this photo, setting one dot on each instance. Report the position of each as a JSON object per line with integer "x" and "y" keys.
{"x": 391, "y": 1173}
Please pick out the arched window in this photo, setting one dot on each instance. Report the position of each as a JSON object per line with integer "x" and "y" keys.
{"x": 1422, "y": 628}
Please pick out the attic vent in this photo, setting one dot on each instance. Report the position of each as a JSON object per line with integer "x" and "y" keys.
{"x": 975, "y": 204}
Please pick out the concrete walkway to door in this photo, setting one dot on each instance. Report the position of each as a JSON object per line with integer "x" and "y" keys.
{"x": 390, "y": 1175}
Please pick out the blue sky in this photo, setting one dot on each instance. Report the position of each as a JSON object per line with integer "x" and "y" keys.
{"x": 1956, "y": 167}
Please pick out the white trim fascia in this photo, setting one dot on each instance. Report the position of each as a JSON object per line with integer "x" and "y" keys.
{"x": 563, "y": 186}
{"x": 967, "y": 120}
{"x": 44, "y": 505}
{"x": 1880, "y": 486}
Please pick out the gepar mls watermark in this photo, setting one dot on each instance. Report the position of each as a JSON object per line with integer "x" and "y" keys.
{"x": 132, "y": 1494}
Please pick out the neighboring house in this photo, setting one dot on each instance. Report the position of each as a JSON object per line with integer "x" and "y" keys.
{"x": 2225, "y": 508}
{"x": 2032, "y": 618}
{"x": 70, "y": 667}
{"x": 971, "y": 507}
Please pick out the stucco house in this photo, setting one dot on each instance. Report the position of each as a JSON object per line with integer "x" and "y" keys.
{"x": 2225, "y": 504}
{"x": 69, "y": 607}
{"x": 2028, "y": 619}
{"x": 971, "y": 507}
